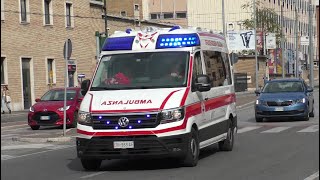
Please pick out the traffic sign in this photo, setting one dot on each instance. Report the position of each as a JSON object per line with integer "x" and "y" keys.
{"x": 67, "y": 49}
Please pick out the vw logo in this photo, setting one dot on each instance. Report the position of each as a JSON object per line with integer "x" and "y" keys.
{"x": 123, "y": 122}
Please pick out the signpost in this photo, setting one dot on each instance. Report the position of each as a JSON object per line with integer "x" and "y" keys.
{"x": 67, "y": 50}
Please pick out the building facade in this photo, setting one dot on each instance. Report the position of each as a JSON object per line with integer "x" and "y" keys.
{"x": 33, "y": 34}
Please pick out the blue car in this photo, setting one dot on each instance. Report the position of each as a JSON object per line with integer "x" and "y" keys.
{"x": 284, "y": 98}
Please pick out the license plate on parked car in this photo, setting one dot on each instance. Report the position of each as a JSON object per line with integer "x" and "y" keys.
{"x": 45, "y": 118}
{"x": 123, "y": 144}
{"x": 279, "y": 109}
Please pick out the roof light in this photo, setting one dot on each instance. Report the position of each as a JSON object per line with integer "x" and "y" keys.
{"x": 128, "y": 31}
{"x": 174, "y": 28}
{"x": 118, "y": 43}
{"x": 177, "y": 40}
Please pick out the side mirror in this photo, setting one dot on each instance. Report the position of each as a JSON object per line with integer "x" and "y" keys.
{"x": 203, "y": 83}
{"x": 310, "y": 89}
{"x": 80, "y": 99}
{"x": 257, "y": 91}
{"x": 38, "y": 99}
{"x": 234, "y": 58}
{"x": 85, "y": 86}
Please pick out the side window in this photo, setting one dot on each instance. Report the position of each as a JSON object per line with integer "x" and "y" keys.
{"x": 227, "y": 65}
{"x": 217, "y": 68}
{"x": 197, "y": 67}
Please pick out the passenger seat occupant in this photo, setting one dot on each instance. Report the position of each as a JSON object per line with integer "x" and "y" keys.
{"x": 121, "y": 78}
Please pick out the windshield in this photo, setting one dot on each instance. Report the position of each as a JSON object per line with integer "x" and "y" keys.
{"x": 283, "y": 86}
{"x": 142, "y": 71}
{"x": 58, "y": 95}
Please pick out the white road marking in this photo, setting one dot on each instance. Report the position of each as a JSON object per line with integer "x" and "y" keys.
{"x": 313, "y": 176}
{"x": 25, "y": 155}
{"x": 313, "y": 128}
{"x": 91, "y": 175}
{"x": 276, "y": 130}
{"x": 249, "y": 128}
{"x": 8, "y": 135}
{"x": 6, "y": 157}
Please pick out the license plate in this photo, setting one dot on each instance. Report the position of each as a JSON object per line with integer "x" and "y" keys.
{"x": 123, "y": 144}
{"x": 45, "y": 118}
{"x": 279, "y": 109}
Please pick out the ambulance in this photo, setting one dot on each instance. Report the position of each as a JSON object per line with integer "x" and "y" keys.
{"x": 158, "y": 93}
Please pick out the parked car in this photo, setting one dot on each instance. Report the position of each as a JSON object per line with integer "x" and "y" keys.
{"x": 48, "y": 110}
{"x": 285, "y": 98}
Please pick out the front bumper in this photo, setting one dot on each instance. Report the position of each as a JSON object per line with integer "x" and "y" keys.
{"x": 144, "y": 147}
{"x": 56, "y": 118}
{"x": 297, "y": 110}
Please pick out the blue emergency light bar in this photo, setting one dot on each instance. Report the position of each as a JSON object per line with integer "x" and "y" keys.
{"x": 118, "y": 43}
{"x": 177, "y": 40}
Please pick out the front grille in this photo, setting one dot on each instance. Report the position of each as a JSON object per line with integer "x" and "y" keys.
{"x": 277, "y": 103}
{"x": 53, "y": 116}
{"x": 136, "y": 121}
{"x": 104, "y": 146}
{"x": 272, "y": 113}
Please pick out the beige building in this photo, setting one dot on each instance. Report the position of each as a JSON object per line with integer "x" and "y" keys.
{"x": 33, "y": 33}
{"x": 164, "y": 11}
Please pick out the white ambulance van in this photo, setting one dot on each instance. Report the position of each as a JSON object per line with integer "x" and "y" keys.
{"x": 158, "y": 93}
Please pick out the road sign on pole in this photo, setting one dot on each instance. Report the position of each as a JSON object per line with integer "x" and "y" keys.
{"x": 67, "y": 49}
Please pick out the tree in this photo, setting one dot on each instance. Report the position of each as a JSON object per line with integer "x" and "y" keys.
{"x": 267, "y": 19}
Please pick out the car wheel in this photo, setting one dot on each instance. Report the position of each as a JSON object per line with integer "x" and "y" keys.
{"x": 35, "y": 127}
{"x": 259, "y": 119}
{"x": 192, "y": 156}
{"x": 91, "y": 164}
{"x": 306, "y": 117}
{"x": 311, "y": 114}
{"x": 227, "y": 144}
{"x": 75, "y": 119}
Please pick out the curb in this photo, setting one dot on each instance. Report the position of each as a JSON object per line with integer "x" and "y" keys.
{"x": 43, "y": 140}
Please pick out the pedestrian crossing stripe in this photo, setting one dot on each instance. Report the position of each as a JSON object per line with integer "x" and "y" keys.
{"x": 309, "y": 129}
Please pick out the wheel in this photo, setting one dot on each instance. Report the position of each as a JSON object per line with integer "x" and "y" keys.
{"x": 259, "y": 119}
{"x": 91, "y": 164}
{"x": 227, "y": 144}
{"x": 192, "y": 156}
{"x": 311, "y": 114}
{"x": 75, "y": 119}
{"x": 36, "y": 127}
{"x": 306, "y": 117}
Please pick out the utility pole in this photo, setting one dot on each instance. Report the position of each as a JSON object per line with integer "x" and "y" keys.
{"x": 105, "y": 18}
{"x": 296, "y": 39}
{"x": 223, "y": 20}
{"x": 311, "y": 44}
{"x": 255, "y": 43}
{"x": 282, "y": 43}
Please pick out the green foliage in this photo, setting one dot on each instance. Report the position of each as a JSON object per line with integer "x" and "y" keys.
{"x": 267, "y": 19}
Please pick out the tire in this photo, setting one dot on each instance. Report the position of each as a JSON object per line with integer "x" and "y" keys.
{"x": 193, "y": 150}
{"x": 36, "y": 127}
{"x": 306, "y": 118}
{"x": 259, "y": 119}
{"x": 91, "y": 164}
{"x": 227, "y": 144}
{"x": 75, "y": 119}
{"x": 311, "y": 114}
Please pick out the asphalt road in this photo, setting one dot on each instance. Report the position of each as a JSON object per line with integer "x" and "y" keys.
{"x": 277, "y": 149}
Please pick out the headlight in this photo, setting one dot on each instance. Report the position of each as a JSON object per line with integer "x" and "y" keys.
{"x": 84, "y": 118}
{"x": 257, "y": 101}
{"x": 303, "y": 100}
{"x": 171, "y": 115}
{"x": 31, "y": 109}
{"x": 61, "y": 109}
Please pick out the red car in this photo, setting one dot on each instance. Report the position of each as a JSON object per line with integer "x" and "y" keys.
{"x": 48, "y": 111}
